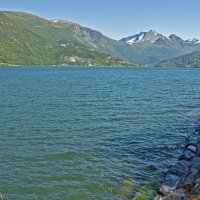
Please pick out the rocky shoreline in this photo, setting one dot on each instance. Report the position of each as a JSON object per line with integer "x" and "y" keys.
{"x": 182, "y": 181}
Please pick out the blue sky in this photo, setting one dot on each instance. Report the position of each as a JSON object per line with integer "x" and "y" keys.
{"x": 119, "y": 18}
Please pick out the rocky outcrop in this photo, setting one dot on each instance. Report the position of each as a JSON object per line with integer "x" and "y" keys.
{"x": 183, "y": 179}
{"x": 92, "y": 37}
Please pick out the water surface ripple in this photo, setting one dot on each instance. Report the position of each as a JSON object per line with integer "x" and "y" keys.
{"x": 82, "y": 133}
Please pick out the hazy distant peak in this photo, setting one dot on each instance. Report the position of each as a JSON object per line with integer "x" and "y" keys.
{"x": 193, "y": 41}
{"x": 173, "y": 36}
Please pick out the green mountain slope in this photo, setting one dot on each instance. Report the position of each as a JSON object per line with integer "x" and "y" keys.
{"x": 26, "y": 39}
{"x": 188, "y": 60}
{"x": 47, "y": 29}
{"x": 19, "y": 46}
{"x": 66, "y": 33}
{"x": 152, "y": 53}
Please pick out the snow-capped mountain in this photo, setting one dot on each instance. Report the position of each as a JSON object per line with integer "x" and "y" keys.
{"x": 157, "y": 38}
{"x": 150, "y": 37}
{"x": 152, "y": 46}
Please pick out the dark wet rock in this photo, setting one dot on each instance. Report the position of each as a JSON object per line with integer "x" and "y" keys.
{"x": 169, "y": 184}
{"x": 178, "y": 195}
{"x": 190, "y": 181}
{"x": 198, "y": 181}
{"x": 183, "y": 179}
{"x": 198, "y": 150}
{"x": 191, "y": 143}
{"x": 194, "y": 172}
{"x": 196, "y": 189}
{"x": 192, "y": 148}
{"x": 192, "y": 138}
{"x": 196, "y": 163}
{"x": 187, "y": 155}
{"x": 181, "y": 168}
{"x": 173, "y": 195}
{"x": 171, "y": 181}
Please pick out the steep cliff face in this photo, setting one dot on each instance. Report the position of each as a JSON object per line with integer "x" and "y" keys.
{"x": 90, "y": 37}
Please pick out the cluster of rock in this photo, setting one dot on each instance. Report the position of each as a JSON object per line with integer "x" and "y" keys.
{"x": 183, "y": 179}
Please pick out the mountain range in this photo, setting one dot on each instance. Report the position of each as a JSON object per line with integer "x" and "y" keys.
{"x": 27, "y": 39}
{"x": 156, "y": 47}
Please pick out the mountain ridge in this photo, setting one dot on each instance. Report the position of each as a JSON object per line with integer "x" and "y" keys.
{"x": 73, "y": 44}
{"x": 27, "y": 39}
{"x": 152, "y": 36}
{"x": 156, "y": 47}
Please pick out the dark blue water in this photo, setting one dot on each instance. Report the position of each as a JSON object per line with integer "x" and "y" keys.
{"x": 92, "y": 133}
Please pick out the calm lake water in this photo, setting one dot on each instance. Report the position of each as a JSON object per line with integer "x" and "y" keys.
{"x": 92, "y": 133}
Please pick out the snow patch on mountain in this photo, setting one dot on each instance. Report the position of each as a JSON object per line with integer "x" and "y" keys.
{"x": 60, "y": 21}
{"x": 132, "y": 41}
{"x": 136, "y": 39}
{"x": 55, "y": 20}
{"x": 141, "y": 37}
{"x": 193, "y": 41}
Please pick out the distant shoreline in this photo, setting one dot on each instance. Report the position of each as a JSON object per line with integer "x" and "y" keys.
{"x": 104, "y": 66}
